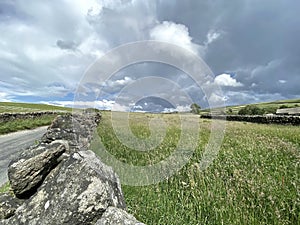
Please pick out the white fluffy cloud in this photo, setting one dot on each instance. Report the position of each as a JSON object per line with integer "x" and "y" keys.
{"x": 173, "y": 33}
{"x": 45, "y": 47}
{"x": 227, "y": 81}
{"x": 183, "y": 108}
{"x": 212, "y": 36}
{"x": 99, "y": 104}
{"x": 282, "y": 81}
{"x": 121, "y": 82}
{"x": 103, "y": 104}
{"x": 44, "y": 44}
{"x": 4, "y": 97}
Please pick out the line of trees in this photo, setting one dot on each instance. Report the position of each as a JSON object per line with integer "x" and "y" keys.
{"x": 251, "y": 110}
{"x": 247, "y": 110}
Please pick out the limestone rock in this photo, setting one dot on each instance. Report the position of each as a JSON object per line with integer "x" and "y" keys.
{"x": 28, "y": 171}
{"x": 78, "y": 191}
{"x": 77, "y": 129}
{"x": 5, "y": 117}
{"x": 8, "y": 205}
{"x": 63, "y": 182}
{"x": 116, "y": 216}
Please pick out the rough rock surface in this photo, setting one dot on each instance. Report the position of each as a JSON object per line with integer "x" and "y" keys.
{"x": 77, "y": 130}
{"x": 33, "y": 165}
{"x": 8, "y": 205}
{"x": 77, "y": 192}
{"x": 63, "y": 182}
{"x": 276, "y": 119}
{"x": 117, "y": 216}
{"x": 67, "y": 133}
{"x": 5, "y": 117}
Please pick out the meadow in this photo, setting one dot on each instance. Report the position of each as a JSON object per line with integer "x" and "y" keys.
{"x": 269, "y": 107}
{"x": 255, "y": 178}
{"x": 14, "y": 107}
{"x": 23, "y": 124}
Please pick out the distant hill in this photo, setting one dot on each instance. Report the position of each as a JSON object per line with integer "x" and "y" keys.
{"x": 269, "y": 107}
{"x": 29, "y": 107}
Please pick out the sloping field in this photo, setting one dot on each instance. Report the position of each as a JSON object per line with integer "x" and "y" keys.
{"x": 254, "y": 180}
{"x": 270, "y": 107}
{"x": 28, "y": 123}
{"x": 29, "y": 107}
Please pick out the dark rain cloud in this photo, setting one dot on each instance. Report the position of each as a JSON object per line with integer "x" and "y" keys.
{"x": 259, "y": 40}
{"x": 71, "y": 45}
{"x": 256, "y": 42}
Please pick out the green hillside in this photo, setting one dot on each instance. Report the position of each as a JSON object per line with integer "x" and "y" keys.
{"x": 30, "y": 123}
{"x": 29, "y": 107}
{"x": 269, "y": 107}
{"x": 253, "y": 180}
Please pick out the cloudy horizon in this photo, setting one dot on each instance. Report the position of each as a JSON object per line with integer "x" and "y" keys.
{"x": 250, "y": 46}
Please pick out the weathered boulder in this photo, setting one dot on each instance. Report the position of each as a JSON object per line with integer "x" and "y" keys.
{"x": 77, "y": 129}
{"x": 116, "y": 216}
{"x": 60, "y": 181}
{"x": 8, "y": 205}
{"x": 54, "y": 134}
{"x": 28, "y": 171}
{"x": 78, "y": 191}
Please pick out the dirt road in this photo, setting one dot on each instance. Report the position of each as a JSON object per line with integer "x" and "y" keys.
{"x": 12, "y": 144}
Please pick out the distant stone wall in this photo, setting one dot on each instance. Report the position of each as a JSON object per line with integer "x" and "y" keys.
{"x": 274, "y": 119}
{"x": 5, "y": 117}
{"x": 60, "y": 181}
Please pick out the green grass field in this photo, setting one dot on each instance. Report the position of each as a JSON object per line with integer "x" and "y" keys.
{"x": 254, "y": 180}
{"x": 29, "y": 107}
{"x": 268, "y": 106}
{"x": 5, "y": 188}
{"x": 23, "y": 124}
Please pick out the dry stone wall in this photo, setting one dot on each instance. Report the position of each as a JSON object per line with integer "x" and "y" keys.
{"x": 60, "y": 181}
{"x": 288, "y": 120}
{"x": 5, "y": 117}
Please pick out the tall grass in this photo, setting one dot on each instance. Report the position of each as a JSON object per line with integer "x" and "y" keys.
{"x": 13, "y": 107}
{"x": 24, "y": 124}
{"x": 5, "y": 188}
{"x": 254, "y": 180}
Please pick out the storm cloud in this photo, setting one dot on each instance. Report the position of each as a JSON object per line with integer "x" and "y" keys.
{"x": 251, "y": 46}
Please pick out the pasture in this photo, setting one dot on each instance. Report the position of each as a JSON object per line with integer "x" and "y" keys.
{"x": 255, "y": 178}
{"x": 23, "y": 124}
{"x": 14, "y": 107}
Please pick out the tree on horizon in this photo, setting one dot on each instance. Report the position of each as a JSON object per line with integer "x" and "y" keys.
{"x": 195, "y": 108}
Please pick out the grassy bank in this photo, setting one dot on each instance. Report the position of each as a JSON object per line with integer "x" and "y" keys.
{"x": 5, "y": 188}
{"x": 13, "y": 107}
{"x": 254, "y": 180}
{"x": 269, "y": 107}
{"x": 25, "y": 124}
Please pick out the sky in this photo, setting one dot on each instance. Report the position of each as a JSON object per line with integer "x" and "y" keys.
{"x": 251, "y": 47}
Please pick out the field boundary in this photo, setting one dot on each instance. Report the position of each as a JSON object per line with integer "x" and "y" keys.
{"x": 272, "y": 119}
{"x": 6, "y": 117}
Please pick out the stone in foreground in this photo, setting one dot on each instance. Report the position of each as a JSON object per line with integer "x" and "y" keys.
{"x": 78, "y": 191}
{"x": 8, "y": 205}
{"x": 115, "y": 216}
{"x": 29, "y": 170}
